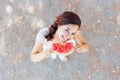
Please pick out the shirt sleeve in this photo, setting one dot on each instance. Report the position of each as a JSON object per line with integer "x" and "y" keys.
{"x": 40, "y": 36}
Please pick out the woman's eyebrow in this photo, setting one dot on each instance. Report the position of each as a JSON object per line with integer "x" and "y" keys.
{"x": 68, "y": 28}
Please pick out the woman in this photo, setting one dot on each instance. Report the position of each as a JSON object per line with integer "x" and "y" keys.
{"x": 61, "y": 39}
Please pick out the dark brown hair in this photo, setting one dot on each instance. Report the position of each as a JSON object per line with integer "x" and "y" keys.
{"x": 63, "y": 19}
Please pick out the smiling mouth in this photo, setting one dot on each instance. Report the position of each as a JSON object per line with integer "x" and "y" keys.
{"x": 64, "y": 39}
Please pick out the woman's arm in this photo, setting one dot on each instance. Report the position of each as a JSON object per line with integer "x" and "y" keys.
{"x": 37, "y": 54}
{"x": 82, "y": 45}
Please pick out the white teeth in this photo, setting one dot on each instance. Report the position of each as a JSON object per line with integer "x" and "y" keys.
{"x": 63, "y": 38}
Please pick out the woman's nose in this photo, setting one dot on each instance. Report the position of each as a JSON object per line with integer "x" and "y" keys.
{"x": 68, "y": 36}
{"x": 71, "y": 36}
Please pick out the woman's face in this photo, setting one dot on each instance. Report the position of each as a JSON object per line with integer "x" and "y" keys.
{"x": 66, "y": 32}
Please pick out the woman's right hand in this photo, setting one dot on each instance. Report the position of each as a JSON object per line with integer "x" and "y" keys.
{"x": 36, "y": 57}
{"x": 47, "y": 53}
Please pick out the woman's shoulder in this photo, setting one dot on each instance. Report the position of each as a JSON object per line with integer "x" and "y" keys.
{"x": 41, "y": 34}
{"x": 43, "y": 30}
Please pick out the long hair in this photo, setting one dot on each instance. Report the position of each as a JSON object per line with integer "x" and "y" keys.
{"x": 63, "y": 19}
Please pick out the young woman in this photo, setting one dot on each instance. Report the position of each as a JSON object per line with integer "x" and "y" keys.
{"x": 61, "y": 39}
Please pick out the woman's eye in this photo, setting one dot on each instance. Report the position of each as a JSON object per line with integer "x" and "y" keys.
{"x": 73, "y": 33}
{"x": 66, "y": 30}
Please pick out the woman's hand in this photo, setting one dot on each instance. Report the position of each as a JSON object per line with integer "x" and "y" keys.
{"x": 82, "y": 43}
{"x": 81, "y": 47}
{"x": 37, "y": 57}
{"x": 48, "y": 52}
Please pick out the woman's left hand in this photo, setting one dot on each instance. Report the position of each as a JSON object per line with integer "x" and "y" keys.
{"x": 79, "y": 48}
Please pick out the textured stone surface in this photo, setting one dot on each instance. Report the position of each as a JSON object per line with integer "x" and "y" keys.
{"x": 20, "y": 21}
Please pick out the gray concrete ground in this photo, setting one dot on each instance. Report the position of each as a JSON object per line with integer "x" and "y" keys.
{"x": 20, "y": 21}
